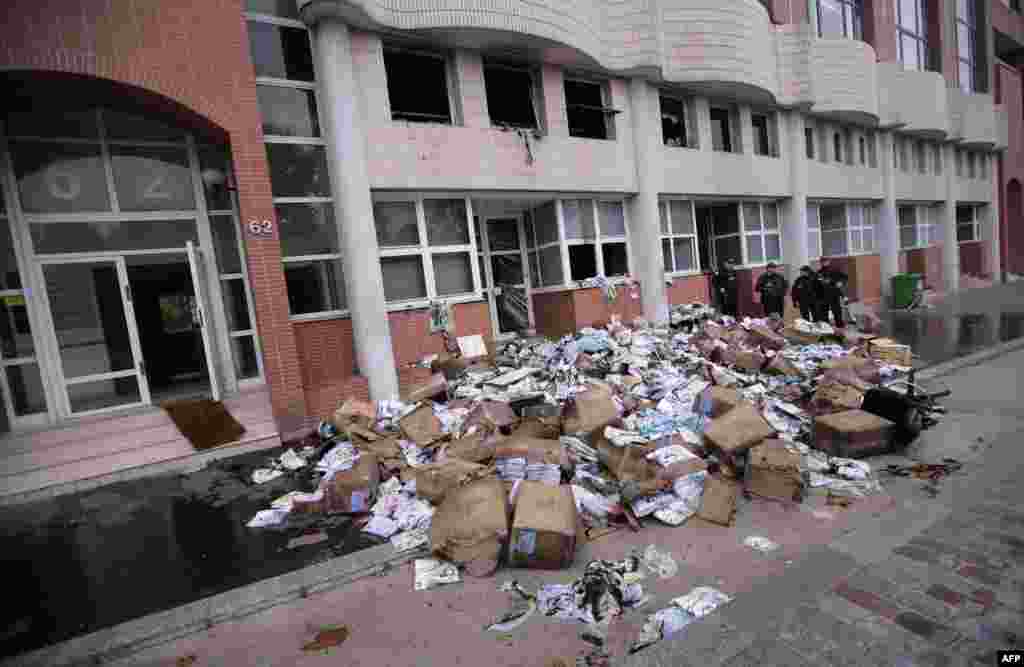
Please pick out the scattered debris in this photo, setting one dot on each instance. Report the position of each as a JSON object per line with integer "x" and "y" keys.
{"x": 327, "y": 638}
{"x": 762, "y": 544}
{"x": 307, "y": 540}
{"x": 431, "y": 572}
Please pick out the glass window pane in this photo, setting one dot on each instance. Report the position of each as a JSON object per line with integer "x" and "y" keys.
{"x": 243, "y": 350}
{"x": 447, "y": 221}
{"x": 26, "y": 386}
{"x": 833, "y": 216}
{"x": 772, "y": 247}
{"x": 869, "y": 239}
{"x": 55, "y": 237}
{"x": 856, "y": 214}
{"x": 813, "y": 244}
{"x": 684, "y": 254}
{"x": 546, "y": 224}
{"x": 288, "y": 112}
{"x": 833, "y": 243}
{"x": 9, "y": 278}
{"x": 966, "y": 77}
{"x": 417, "y": 87}
{"x": 314, "y": 286}
{"x": 551, "y": 266}
{"x": 510, "y": 95}
{"x": 755, "y": 249}
{"x": 613, "y": 221}
{"x": 101, "y": 394}
{"x": 725, "y": 219}
{"x": 582, "y": 261}
{"x": 280, "y": 52}
{"x": 578, "y": 215}
{"x": 39, "y": 122}
{"x": 403, "y": 278}
{"x": 616, "y": 259}
{"x": 673, "y": 121}
{"x": 452, "y": 273}
{"x": 298, "y": 170}
{"x": 855, "y": 241}
{"x": 682, "y": 217}
{"x": 812, "y": 216}
{"x": 15, "y": 332}
{"x": 503, "y": 234}
{"x": 909, "y": 52}
{"x": 729, "y": 248}
{"x": 152, "y": 178}
{"x": 507, "y": 269}
{"x": 752, "y": 217}
{"x": 288, "y": 9}
{"x": 964, "y": 41}
{"x": 830, "y": 18}
{"x": 663, "y": 217}
{"x": 908, "y": 237}
{"x": 118, "y": 125}
{"x": 236, "y": 304}
{"x": 225, "y": 244}
{"x": 215, "y": 172}
{"x": 534, "y": 270}
{"x": 908, "y": 14}
{"x": 306, "y": 229}
{"x": 666, "y": 255}
{"x": 771, "y": 216}
{"x": 528, "y": 230}
{"x": 59, "y": 178}
{"x": 396, "y": 224}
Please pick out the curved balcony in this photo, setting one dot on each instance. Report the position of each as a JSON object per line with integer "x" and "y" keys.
{"x": 976, "y": 120}
{"x": 915, "y": 101}
{"x": 844, "y": 81}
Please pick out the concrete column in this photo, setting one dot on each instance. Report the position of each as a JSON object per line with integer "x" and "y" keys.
{"x": 950, "y": 246}
{"x": 702, "y": 110}
{"x": 888, "y": 232}
{"x": 991, "y": 232}
{"x": 644, "y": 228}
{"x": 795, "y": 252}
{"x": 746, "y": 130}
{"x": 353, "y": 209}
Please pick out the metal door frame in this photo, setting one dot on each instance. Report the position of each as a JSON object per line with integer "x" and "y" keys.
{"x": 485, "y": 251}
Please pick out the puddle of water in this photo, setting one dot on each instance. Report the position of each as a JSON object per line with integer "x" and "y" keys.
{"x": 86, "y": 561}
{"x": 936, "y": 338}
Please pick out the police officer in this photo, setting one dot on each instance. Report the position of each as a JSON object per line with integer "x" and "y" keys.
{"x": 725, "y": 284}
{"x": 833, "y": 291}
{"x": 805, "y": 293}
{"x": 772, "y": 287}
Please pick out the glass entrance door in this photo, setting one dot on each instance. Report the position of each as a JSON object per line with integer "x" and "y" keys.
{"x": 101, "y": 363}
{"x": 504, "y": 264}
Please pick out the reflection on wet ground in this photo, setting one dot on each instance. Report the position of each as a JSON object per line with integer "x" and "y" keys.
{"x": 82, "y": 562}
{"x": 937, "y": 337}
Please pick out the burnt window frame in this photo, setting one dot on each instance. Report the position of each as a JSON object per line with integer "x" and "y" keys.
{"x": 606, "y": 109}
{"x": 732, "y": 126}
{"x": 536, "y": 92}
{"x": 690, "y": 139}
{"x": 453, "y": 117}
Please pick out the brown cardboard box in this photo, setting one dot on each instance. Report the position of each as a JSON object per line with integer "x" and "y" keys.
{"x": 544, "y": 527}
{"x": 853, "y": 434}
{"x": 421, "y": 426}
{"x": 767, "y": 338}
{"x": 352, "y": 490}
{"x": 865, "y": 368}
{"x": 749, "y": 360}
{"x": 794, "y": 335}
{"x": 492, "y": 414}
{"x": 355, "y": 411}
{"x": 382, "y": 448}
{"x": 718, "y": 504}
{"x": 472, "y": 523}
{"x": 436, "y": 385}
{"x": 837, "y": 395}
{"x": 738, "y": 430}
{"x": 435, "y": 480}
{"x": 780, "y": 365}
{"x": 722, "y": 399}
{"x": 774, "y": 472}
{"x": 536, "y": 450}
{"x": 589, "y": 411}
{"x": 476, "y": 448}
{"x": 889, "y": 351}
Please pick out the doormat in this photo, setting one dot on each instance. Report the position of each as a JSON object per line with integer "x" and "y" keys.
{"x": 204, "y": 422}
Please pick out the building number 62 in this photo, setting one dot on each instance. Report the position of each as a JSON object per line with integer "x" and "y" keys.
{"x": 261, "y": 227}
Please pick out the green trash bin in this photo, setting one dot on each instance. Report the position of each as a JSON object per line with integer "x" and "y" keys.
{"x": 903, "y": 287}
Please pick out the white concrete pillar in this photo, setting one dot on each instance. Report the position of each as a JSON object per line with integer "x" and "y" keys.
{"x": 888, "y": 231}
{"x": 795, "y": 251}
{"x": 353, "y": 210}
{"x": 644, "y": 227}
{"x": 950, "y": 246}
{"x": 990, "y": 227}
{"x": 746, "y": 130}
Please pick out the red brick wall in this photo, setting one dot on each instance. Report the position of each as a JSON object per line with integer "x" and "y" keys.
{"x": 591, "y": 308}
{"x": 786, "y": 11}
{"x": 880, "y": 28}
{"x": 554, "y": 313}
{"x": 690, "y": 289}
{"x": 927, "y": 262}
{"x": 410, "y": 330}
{"x": 196, "y": 55}
{"x": 866, "y": 279}
{"x": 1011, "y": 163}
{"x": 972, "y": 258}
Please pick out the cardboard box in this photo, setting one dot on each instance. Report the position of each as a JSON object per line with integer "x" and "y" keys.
{"x": 355, "y": 411}
{"x": 780, "y": 365}
{"x": 421, "y": 426}
{"x": 853, "y": 434}
{"x": 794, "y": 335}
{"x": 544, "y": 527}
{"x": 866, "y": 369}
{"x": 476, "y": 448}
{"x": 890, "y": 352}
{"x": 435, "y": 386}
{"x": 750, "y": 360}
{"x": 492, "y": 415}
{"x": 472, "y": 523}
{"x": 721, "y": 399}
{"x": 590, "y": 410}
{"x": 534, "y": 450}
{"x": 353, "y": 490}
{"x": 767, "y": 338}
{"x": 718, "y": 504}
{"x": 738, "y": 430}
{"x": 774, "y": 472}
{"x": 832, "y": 395}
{"x": 435, "y": 480}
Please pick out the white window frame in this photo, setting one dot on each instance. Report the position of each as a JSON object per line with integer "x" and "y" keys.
{"x": 425, "y": 252}
{"x": 918, "y": 33}
{"x": 534, "y": 251}
{"x": 813, "y": 231}
{"x": 665, "y": 206}
{"x": 854, "y": 228}
{"x": 609, "y": 112}
{"x": 970, "y": 22}
{"x": 763, "y": 233}
{"x": 974, "y": 224}
{"x": 771, "y": 127}
{"x": 598, "y": 241}
{"x": 927, "y": 225}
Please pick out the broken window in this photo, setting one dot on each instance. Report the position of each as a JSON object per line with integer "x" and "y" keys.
{"x": 809, "y": 142}
{"x": 721, "y": 130}
{"x": 582, "y": 261}
{"x": 511, "y": 95}
{"x": 762, "y": 134}
{"x": 418, "y": 86}
{"x": 673, "y": 122}
{"x": 587, "y": 109}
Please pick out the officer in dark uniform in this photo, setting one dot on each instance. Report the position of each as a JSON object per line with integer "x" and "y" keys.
{"x": 726, "y": 287}
{"x": 806, "y": 293}
{"x": 833, "y": 291}
{"x": 772, "y": 287}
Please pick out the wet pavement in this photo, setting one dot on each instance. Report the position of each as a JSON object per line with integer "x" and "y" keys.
{"x": 960, "y": 324}
{"x": 82, "y": 562}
